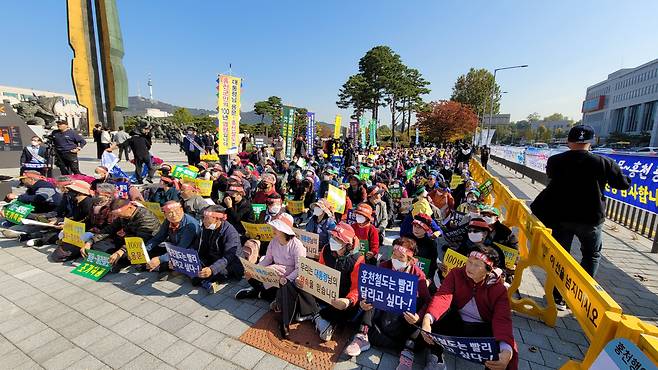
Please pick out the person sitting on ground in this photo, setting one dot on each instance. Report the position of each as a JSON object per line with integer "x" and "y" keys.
{"x": 179, "y": 229}
{"x": 265, "y": 188}
{"x": 390, "y": 329}
{"x": 80, "y": 193}
{"x": 380, "y": 210}
{"x": 472, "y": 302}
{"x": 426, "y": 244}
{"x": 238, "y": 209}
{"x": 219, "y": 248}
{"x": 39, "y": 192}
{"x": 167, "y": 191}
{"x": 193, "y": 203}
{"x": 101, "y": 175}
{"x": 442, "y": 199}
{"x": 356, "y": 191}
{"x": 500, "y": 233}
{"x": 273, "y": 209}
{"x": 322, "y": 221}
{"x": 282, "y": 254}
{"x": 367, "y": 233}
{"x": 479, "y": 233}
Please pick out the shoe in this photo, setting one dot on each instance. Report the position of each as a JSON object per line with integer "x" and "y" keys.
{"x": 275, "y": 306}
{"x": 150, "y": 181}
{"x": 359, "y": 344}
{"x": 246, "y": 293}
{"x": 302, "y": 318}
{"x": 11, "y": 234}
{"x": 561, "y": 305}
{"x": 24, "y": 237}
{"x": 34, "y": 243}
{"x": 324, "y": 328}
{"x": 433, "y": 362}
{"x": 285, "y": 331}
{"x": 406, "y": 360}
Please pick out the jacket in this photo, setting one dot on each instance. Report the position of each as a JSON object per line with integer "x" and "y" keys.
{"x": 65, "y": 141}
{"x": 502, "y": 234}
{"x": 219, "y": 249}
{"x": 140, "y": 145}
{"x": 194, "y": 206}
{"x": 321, "y": 228}
{"x": 427, "y": 249}
{"x": 261, "y": 196}
{"x": 162, "y": 196}
{"x": 368, "y": 233}
{"x": 357, "y": 195}
{"x": 490, "y": 297}
{"x": 42, "y": 195}
{"x": 443, "y": 201}
{"x": 349, "y": 272}
{"x": 142, "y": 224}
{"x": 186, "y": 235}
{"x": 240, "y": 212}
{"x": 30, "y": 160}
{"x": 380, "y": 213}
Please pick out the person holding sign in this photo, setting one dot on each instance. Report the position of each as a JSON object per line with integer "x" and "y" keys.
{"x": 167, "y": 191}
{"x": 283, "y": 254}
{"x": 322, "y": 221}
{"x": 178, "y": 229}
{"x": 472, "y": 302}
{"x": 427, "y": 248}
{"x": 39, "y": 192}
{"x": 238, "y": 208}
{"x": 273, "y": 210}
{"x": 478, "y": 235}
{"x": 266, "y": 187}
{"x": 328, "y": 178}
{"x": 193, "y": 203}
{"x": 367, "y": 233}
{"x": 392, "y": 329}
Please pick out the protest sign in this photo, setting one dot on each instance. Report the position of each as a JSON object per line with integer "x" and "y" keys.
{"x": 364, "y": 247}
{"x": 424, "y": 264}
{"x": 183, "y": 172}
{"x": 184, "y": 260}
{"x": 485, "y": 188}
{"x": 229, "y": 89}
{"x": 95, "y": 266}
{"x": 364, "y": 173}
{"x": 456, "y": 217}
{"x": 473, "y": 349}
{"x": 453, "y": 259}
{"x": 262, "y": 232}
{"x": 264, "y": 274}
{"x": 319, "y": 280}
{"x": 73, "y": 232}
{"x": 511, "y": 255}
{"x": 410, "y": 172}
{"x": 455, "y": 180}
{"x": 395, "y": 192}
{"x": 209, "y": 157}
{"x": 205, "y": 187}
{"x": 337, "y": 122}
{"x": 122, "y": 189}
{"x": 16, "y": 211}
{"x": 622, "y": 354}
{"x": 155, "y": 208}
{"x": 336, "y": 197}
{"x": 351, "y": 217}
{"x": 310, "y": 240}
{"x": 136, "y": 250}
{"x": 258, "y": 208}
{"x": 456, "y": 235}
{"x": 405, "y": 205}
{"x": 295, "y": 207}
{"x": 387, "y": 289}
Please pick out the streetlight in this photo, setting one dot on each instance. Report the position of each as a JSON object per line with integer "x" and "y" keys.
{"x": 493, "y": 89}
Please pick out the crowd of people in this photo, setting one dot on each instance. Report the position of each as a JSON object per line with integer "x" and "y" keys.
{"x": 406, "y": 186}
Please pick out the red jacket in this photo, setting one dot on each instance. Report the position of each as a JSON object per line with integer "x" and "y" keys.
{"x": 490, "y": 297}
{"x": 261, "y": 197}
{"x": 369, "y": 233}
{"x": 423, "y": 291}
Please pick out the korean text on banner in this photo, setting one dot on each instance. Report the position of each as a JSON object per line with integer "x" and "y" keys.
{"x": 452, "y": 259}
{"x": 16, "y": 211}
{"x": 337, "y": 122}
{"x": 643, "y": 172}
{"x": 485, "y": 188}
{"x": 73, "y": 232}
{"x": 295, "y": 207}
{"x": 622, "y": 354}
{"x": 336, "y": 197}
{"x": 155, "y": 208}
{"x": 264, "y": 274}
{"x": 258, "y": 208}
{"x": 511, "y": 255}
{"x": 473, "y": 349}
{"x": 95, "y": 266}
{"x": 136, "y": 250}
{"x": 288, "y": 129}
{"x": 364, "y": 173}
{"x": 319, "y": 280}
{"x": 262, "y": 232}
{"x": 457, "y": 234}
{"x": 205, "y": 187}
{"x": 388, "y": 290}
{"x": 183, "y": 172}
{"x": 363, "y": 128}
{"x": 228, "y": 117}
{"x": 310, "y": 133}
{"x": 310, "y": 240}
{"x": 185, "y": 261}
{"x": 410, "y": 173}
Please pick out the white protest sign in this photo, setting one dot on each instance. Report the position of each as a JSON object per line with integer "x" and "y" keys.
{"x": 319, "y": 280}
{"x": 264, "y": 274}
{"x": 310, "y": 240}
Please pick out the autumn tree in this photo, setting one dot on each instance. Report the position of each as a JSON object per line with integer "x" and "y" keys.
{"x": 446, "y": 121}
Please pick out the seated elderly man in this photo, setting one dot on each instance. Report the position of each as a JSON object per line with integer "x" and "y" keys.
{"x": 178, "y": 228}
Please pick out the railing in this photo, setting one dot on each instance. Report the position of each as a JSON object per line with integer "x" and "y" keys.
{"x": 636, "y": 219}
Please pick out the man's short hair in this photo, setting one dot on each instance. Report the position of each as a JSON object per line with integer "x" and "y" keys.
{"x": 118, "y": 203}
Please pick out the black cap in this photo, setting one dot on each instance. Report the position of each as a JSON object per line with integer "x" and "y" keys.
{"x": 581, "y": 134}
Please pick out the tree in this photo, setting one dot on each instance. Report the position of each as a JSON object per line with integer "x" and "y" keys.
{"x": 534, "y": 117}
{"x": 301, "y": 120}
{"x": 447, "y": 121}
{"x": 414, "y": 87}
{"x": 272, "y": 107}
{"x": 261, "y": 108}
{"x": 182, "y": 116}
{"x": 474, "y": 90}
{"x": 355, "y": 94}
{"x": 542, "y": 134}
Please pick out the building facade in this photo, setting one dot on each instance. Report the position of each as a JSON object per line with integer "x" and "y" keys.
{"x": 627, "y": 103}
{"x": 66, "y": 109}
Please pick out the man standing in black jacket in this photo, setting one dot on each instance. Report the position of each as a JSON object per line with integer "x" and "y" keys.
{"x": 140, "y": 144}
{"x": 67, "y": 143}
{"x": 573, "y": 202}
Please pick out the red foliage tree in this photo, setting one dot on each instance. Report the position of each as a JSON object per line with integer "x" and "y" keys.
{"x": 446, "y": 121}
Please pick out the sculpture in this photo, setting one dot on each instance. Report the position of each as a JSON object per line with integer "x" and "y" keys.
{"x": 38, "y": 111}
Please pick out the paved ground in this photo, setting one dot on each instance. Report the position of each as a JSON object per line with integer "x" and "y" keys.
{"x": 54, "y": 319}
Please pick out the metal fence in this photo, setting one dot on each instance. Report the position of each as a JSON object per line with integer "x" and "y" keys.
{"x": 638, "y": 220}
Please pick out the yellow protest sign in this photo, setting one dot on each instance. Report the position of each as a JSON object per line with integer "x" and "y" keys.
{"x": 209, "y": 157}
{"x": 262, "y": 232}
{"x": 511, "y": 255}
{"x": 295, "y": 207}
{"x": 154, "y": 207}
{"x": 136, "y": 250}
{"x": 310, "y": 240}
{"x": 336, "y": 197}
{"x": 452, "y": 260}
{"x": 264, "y": 274}
{"x": 454, "y": 181}
{"x": 205, "y": 187}
{"x": 73, "y": 232}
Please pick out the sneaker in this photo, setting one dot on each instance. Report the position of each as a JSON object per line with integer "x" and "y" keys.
{"x": 324, "y": 328}
{"x": 11, "y": 234}
{"x": 433, "y": 362}
{"x": 560, "y": 304}
{"x": 302, "y": 318}
{"x": 246, "y": 293}
{"x": 406, "y": 360}
{"x": 34, "y": 243}
{"x": 359, "y": 344}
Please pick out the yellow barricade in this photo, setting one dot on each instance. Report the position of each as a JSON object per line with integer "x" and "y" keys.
{"x": 649, "y": 345}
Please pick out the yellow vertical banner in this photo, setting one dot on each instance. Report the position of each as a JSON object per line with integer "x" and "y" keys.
{"x": 228, "y": 113}
{"x": 73, "y": 232}
{"x": 337, "y": 127}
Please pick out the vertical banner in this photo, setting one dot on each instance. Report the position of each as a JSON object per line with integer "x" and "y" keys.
{"x": 288, "y": 130}
{"x": 417, "y": 141}
{"x": 337, "y": 121}
{"x": 364, "y": 126}
{"x": 228, "y": 114}
{"x": 353, "y": 132}
{"x": 373, "y": 133}
{"x": 310, "y": 133}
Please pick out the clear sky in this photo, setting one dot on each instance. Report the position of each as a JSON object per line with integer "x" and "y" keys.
{"x": 303, "y": 51}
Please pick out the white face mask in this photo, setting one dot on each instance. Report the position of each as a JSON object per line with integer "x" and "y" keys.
{"x": 398, "y": 265}
{"x": 326, "y": 177}
{"x": 211, "y": 227}
{"x": 360, "y": 219}
{"x": 335, "y": 245}
{"x": 98, "y": 176}
{"x": 317, "y": 211}
{"x": 298, "y": 177}
{"x": 471, "y": 200}
{"x": 490, "y": 220}
{"x": 274, "y": 209}
{"x": 476, "y": 237}
{"x": 437, "y": 279}
{"x": 474, "y": 214}
{"x": 35, "y": 143}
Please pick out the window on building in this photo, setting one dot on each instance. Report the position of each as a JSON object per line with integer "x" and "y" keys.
{"x": 632, "y": 118}
{"x": 619, "y": 126}
{"x": 649, "y": 115}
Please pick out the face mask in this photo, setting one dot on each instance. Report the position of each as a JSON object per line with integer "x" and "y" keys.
{"x": 473, "y": 214}
{"x": 437, "y": 279}
{"x": 334, "y": 245}
{"x": 98, "y": 176}
{"x": 298, "y": 177}
{"x": 470, "y": 200}
{"x": 490, "y": 220}
{"x": 35, "y": 143}
{"x": 398, "y": 265}
{"x": 360, "y": 219}
{"x": 326, "y": 177}
{"x": 317, "y": 211}
{"x": 211, "y": 227}
{"x": 475, "y": 237}
{"x": 190, "y": 132}
{"x": 274, "y": 209}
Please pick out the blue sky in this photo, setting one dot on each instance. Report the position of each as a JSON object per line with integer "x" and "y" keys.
{"x": 303, "y": 51}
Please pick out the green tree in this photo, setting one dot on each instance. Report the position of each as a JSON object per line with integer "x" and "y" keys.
{"x": 182, "y": 116}
{"x": 355, "y": 94}
{"x": 261, "y": 109}
{"x": 412, "y": 102}
{"x": 534, "y": 117}
{"x": 474, "y": 89}
{"x": 301, "y": 121}
{"x": 272, "y": 107}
